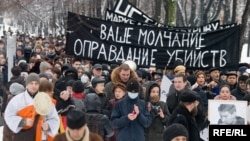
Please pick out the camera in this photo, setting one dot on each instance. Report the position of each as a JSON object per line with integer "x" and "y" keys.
{"x": 204, "y": 87}
{"x": 156, "y": 109}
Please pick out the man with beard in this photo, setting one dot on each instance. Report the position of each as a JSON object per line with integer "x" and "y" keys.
{"x": 185, "y": 114}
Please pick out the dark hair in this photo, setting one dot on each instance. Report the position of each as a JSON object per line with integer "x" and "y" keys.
{"x": 16, "y": 71}
{"x": 184, "y": 77}
{"x": 76, "y": 59}
{"x": 121, "y": 86}
{"x": 200, "y": 73}
{"x": 51, "y": 46}
{"x": 224, "y": 85}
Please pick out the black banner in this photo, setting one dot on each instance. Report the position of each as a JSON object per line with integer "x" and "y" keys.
{"x": 112, "y": 42}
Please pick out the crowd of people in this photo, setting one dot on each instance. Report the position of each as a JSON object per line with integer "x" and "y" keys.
{"x": 92, "y": 101}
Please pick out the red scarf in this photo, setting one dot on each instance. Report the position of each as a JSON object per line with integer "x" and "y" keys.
{"x": 78, "y": 95}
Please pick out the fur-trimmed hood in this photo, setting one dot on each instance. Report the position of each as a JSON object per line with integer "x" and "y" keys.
{"x": 115, "y": 75}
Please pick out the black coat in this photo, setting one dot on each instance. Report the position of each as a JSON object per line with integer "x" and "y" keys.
{"x": 173, "y": 102}
{"x": 238, "y": 93}
{"x": 182, "y": 115}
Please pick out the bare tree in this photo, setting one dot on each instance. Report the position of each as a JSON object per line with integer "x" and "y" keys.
{"x": 234, "y": 11}
{"x": 245, "y": 19}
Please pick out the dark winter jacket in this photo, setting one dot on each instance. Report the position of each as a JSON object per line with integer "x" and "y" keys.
{"x": 97, "y": 122}
{"x": 104, "y": 102}
{"x": 17, "y": 79}
{"x": 69, "y": 74}
{"x": 155, "y": 130}
{"x": 173, "y": 102}
{"x": 182, "y": 115}
{"x": 130, "y": 130}
{"x": 238, "y": 93}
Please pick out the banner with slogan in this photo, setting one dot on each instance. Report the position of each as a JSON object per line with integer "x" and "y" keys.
{"x": 112, "y": 42}
{"x": 115, "y": 17}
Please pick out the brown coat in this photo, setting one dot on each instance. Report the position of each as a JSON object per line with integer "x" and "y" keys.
{"x": 115, "y": 79}
{"x": 89, "y": 136}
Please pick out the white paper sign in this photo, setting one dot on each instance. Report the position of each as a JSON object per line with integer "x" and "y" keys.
{"x": 165, "y": 85}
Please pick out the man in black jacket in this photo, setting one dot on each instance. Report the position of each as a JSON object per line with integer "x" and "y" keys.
{"x": 185, "y": 114}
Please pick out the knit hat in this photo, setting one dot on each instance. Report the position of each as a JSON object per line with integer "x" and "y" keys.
{"x": 78, "y": 86}
{"x": 32, "y": 77}
{"x": 43, "y": 75}
{"x": 76, "y": 119}
{"x": 188, "y": 97}
{"x": 97, "y": 80}
{"x": 44, "y": 66}
{"x": 133, "y": 86}
{"x": 16, "y": 88}
{"x": 174, "y": 130}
